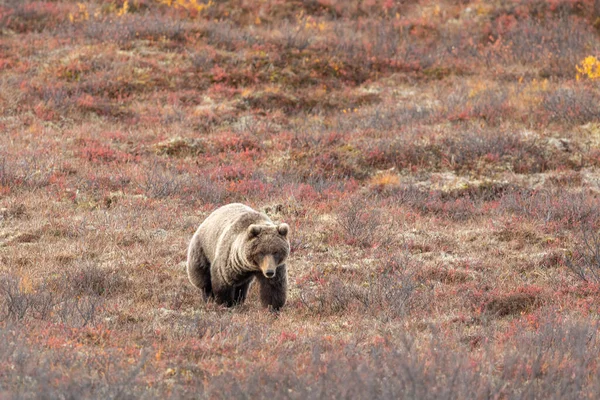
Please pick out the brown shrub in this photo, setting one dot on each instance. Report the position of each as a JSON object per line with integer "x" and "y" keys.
{"x": 361, "y": 224}
{"x": 445, "y": 275}
{"x": 578, "y": 105}
{"x": 385, "y": 293}
{"x": 571, "y": 210}
{"x": 584, "y": 259}
{"x": 512, "y": 304}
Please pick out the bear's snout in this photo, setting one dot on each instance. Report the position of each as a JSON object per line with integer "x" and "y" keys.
{"x": 268, "y": 266}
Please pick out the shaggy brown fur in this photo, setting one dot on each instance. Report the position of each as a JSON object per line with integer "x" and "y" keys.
{"x": 234, "y": 246}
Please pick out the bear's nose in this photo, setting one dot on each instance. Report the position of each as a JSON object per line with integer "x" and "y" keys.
{"x": 268, "y": 266}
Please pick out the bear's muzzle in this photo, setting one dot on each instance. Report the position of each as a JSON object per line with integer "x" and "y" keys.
{"x": 268, "y": 266}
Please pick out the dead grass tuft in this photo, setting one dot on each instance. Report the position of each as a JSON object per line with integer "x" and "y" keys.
{"x": 180, "y": 147}
{"x": 446, "y": 276}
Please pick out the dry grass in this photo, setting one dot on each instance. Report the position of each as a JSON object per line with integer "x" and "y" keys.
{"x": 438, "y": 165}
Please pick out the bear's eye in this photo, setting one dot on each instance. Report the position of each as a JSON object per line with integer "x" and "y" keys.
{"x": 278, "y": 257}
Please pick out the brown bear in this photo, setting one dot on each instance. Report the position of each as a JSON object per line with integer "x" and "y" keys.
{"x": 234, "y": 246}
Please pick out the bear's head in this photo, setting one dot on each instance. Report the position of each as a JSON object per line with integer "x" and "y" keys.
{"x": 267, "y": 247}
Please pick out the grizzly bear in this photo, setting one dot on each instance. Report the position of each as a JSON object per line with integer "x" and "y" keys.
{"x": 234, "y": 246}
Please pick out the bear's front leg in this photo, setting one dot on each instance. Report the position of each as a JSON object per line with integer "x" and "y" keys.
{"x": 224, "y": 295}
{"x": 273, "y": 291}
{"x": 240, "y": 292}
{"x": 222, "y": 287}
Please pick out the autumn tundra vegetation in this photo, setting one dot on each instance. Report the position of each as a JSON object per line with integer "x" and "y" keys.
{"x": 437, "y": 162}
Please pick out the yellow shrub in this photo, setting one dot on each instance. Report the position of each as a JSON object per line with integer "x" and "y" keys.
{"x": 82, "y": 13}
{"x": 590, "y": 67}
{"x": 124, "y": 9}
{"x": 189, "y": 5}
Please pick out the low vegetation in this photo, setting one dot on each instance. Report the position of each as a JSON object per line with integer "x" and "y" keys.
{"x": 438, "y": 164}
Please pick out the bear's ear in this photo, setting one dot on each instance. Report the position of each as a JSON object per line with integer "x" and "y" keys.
{"x": 283, "y": 229}
{"x": 254, "y": 230}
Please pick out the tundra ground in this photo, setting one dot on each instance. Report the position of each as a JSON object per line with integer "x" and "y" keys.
{"x": 438, "y": 164}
